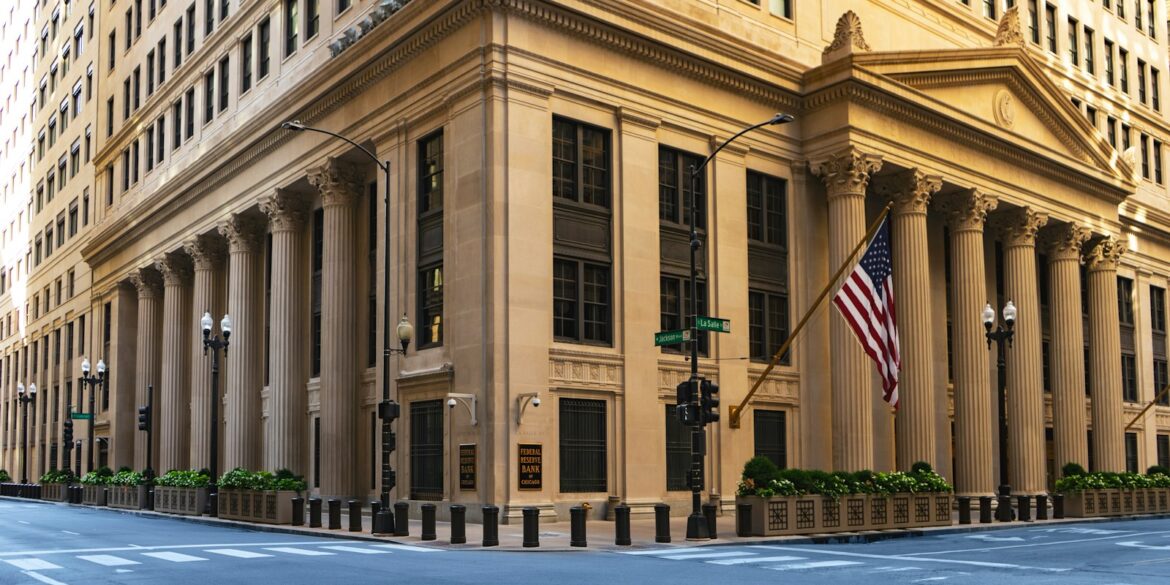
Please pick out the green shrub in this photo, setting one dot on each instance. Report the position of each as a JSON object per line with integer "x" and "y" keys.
{"x": 760, "y": 470}
{"x": 1153, "y": 470}
{"x": 183, "y": 479}
{"x": 57, "y": 476}
{"x": 1070, "y": 469}
{"x": 921, "y": 467}
{"x": 1109, "y": 480}
{"x": 242, "y": 479}
{"x": 127, "y": 478}
{"x": 4, "y": 477}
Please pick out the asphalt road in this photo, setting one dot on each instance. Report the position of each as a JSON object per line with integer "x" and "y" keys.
{"x": 52, "y": 544}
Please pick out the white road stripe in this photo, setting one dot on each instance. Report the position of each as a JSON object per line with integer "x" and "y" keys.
{"x": 137, "y": 548}
{"x": 1034, "y": 544}
{"x": 237, "y": 553}
{"x": 31, "y": 564}
{"x": 407, "y": 547}
{"x": 756, "y": 560}
{"x": 22, "y": 522}
{"x": 174, "y": 557}
{"x": 664, "y": 551}
{"x": 108, "y": 560}
{"x": 299, "y": 551}
{"x": 894, "y": 569}
{"x": 813, "y": 565}
{"x": 43, "y": 579}
{"x": 910, "y": 558}
{"x": 707, "y": 555}
{"x": 359, "y": 550}
{"x": 71, "y": 532}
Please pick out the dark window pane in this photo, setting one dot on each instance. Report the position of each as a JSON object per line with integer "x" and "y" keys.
{"x": 596, "y": 305}
{"x": 667, "y": 186}
{"x": 757, "y": 326}
{"x": 565, "y": 299}
{"x": 426, "y": 450}
{"x": 564, "y": 160}
{"x": 678, "y": 451}
{"x": 595, "y": 167}
{"x": 771, "y": 439}
{"x": 430, "y": 299}
{"x": 755, "y": 207}
{"x": 583, "y": 445}
{"x": 430, "y": 174}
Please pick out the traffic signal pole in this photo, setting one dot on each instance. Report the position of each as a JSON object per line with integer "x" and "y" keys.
{"x": 696, "y": 523}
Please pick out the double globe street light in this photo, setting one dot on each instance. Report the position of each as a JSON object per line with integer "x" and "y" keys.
{"x": 214, "y": 343}
{"x": 1002, "y": 334}
{"x": 24, "y": 399}
{"x": 94, "y": 383}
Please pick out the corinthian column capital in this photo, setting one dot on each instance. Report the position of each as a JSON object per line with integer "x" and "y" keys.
{"x": 340, "y": 182}
{"x": 244, "y": 232}
{"x": 206, "y": 250}
{"x": 286, "y": 210}
{"x": 1019, "y": 226}
{"x": 910, "y": 190}
{"x": 846, "y": 172}
{"x": 967, "y": 210}
{"x": 1104, "y": 254}
{"x": 1064, "y": 241}
{"x": 175, "y": 268}
{"x": 147, "y": 281}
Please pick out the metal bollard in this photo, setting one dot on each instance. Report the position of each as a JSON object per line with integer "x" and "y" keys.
{"x": 709, "y": 511}
{"x": 577, "y": 526}
{"x": 1003, "y": 509}
{"x": 375, "y": 507}
{"x": 1041, "y": 507}
{"x": 1024, "y": 503}
{"x": 355, "y": 516}
{"x": 314, "y": 512}
{"x": 212, "y": 502}
{"x": 458, "y": 524}
{"x": 985, "y": 509}
{"x": 298, "y": 511}
{"x": 743, "y": 519}
{"x": 621, "y": 517}
{"x": 401, "y": 519}
{"x": 1058, "y": 506}
{"x": 964, "y": 509}
{"x": 531, "y": 527}
{"x": 661, "y": 523}
{"x": 334, "y": 514}
{"x": 491, "y": 526}
{"x": 428, "y": 521}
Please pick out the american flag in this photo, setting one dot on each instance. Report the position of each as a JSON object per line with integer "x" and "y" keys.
{"x": 866, "y": 300}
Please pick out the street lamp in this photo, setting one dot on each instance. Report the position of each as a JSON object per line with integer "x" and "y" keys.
{"x": 93, "y": 382}
{"x": 387, "y": 410}
{"x": 1001, "y": 335}
{"x": 24, "y": 400}
{"x": 214, "y": 343}
{"x": 696, "y": 523}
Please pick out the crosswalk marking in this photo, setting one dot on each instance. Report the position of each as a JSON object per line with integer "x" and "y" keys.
{"x": 742, "y": 561}
{"x": 707, "y": 555}
{"x": 108, "y": 560}
{"x": 174, "y": 557}
{"x": 895, "y": 569}
{"x": 407, "y": 547}
{"x": 665, "y": 551}
{"x": 31, "y": 564}
{"x": 237, "y": 553}
{"x": 354, "y": 549}
{"x": 299, "y": 551}
{"x": 813, "y": 565}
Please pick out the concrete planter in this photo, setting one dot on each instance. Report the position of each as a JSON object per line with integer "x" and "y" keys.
{"x": 177, "y": 500}
{"x": 127, "y": 496}
{"x": 789, "y": 515}
{"x": 93, "y": 495}
{"x": 265, "y": 507}
{"x": 54, "y": 492}
{"x": 1113, "y": 502}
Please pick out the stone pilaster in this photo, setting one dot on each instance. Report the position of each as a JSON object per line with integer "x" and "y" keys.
{"x": 285, "y": 444}
{"x": 846, "y": 175}
{"x": 911, "y": 192}
{"x": 148, "y": 282}
{"x": 1063, "y": 243}
{"x": 1025, "y": 374}
{"x": 174, "y": 394}
{"x": 245, "y": 377}
{"x": 1102, "y": 259}
{"x": 207, "y": 253}
{"x": 341, "y": 186}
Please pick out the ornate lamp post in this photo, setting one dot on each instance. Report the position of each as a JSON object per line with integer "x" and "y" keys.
{"x": 24, "y": 399}
{"x": 1001, "y": 335}
{"x": 214, "y": 343}
{"x": 94, "y": 382}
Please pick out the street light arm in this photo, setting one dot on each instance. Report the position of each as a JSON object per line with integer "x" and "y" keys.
{"x": 774, "y": 120}
{"x": 296, "y": 127}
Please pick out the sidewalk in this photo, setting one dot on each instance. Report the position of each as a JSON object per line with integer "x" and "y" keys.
{"x": 600, "y": 534}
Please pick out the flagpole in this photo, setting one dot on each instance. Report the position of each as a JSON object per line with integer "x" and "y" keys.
{"x": 735, "y": 411}
{"x": 1143, "y": 412}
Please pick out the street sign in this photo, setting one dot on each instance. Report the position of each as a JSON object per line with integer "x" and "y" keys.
{"x": 713, "y": 324}
{"x": 81, "y": 415}
{"x": 672, "y": 337}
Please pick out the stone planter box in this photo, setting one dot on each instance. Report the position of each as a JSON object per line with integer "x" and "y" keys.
{"x": 176, "y": 500}
{"x": 127, "y": 496}
{"x": 93, "y": 495}
{"x": 53, "y": 492}
{"x": 789, "y": 515}
{"x": 269, "y": 507}
{"x": 1113, "y": 502}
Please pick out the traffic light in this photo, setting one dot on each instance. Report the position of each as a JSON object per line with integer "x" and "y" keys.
{"x": 686, "y": 409}
{"x": 388, "y": 410}
{"x": 144, "y": 418}
{"x": 709, "y": 401}
{"x": 67, "y": 431}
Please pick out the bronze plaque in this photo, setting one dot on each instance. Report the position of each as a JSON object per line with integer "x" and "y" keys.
{"x": 467, "y": 467}
{"x": 531, "y": 466}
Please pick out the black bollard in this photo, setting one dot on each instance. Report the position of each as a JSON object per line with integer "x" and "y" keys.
{"x": 577, "y": 526}
{"x": 458, "y": 524}
{"x": 298, "y": 511}
{"x": 355, "y": 516}
{"x": 491, "y": 526}
{"x": 1058, "y": 506}
{"x": 401, "y": 519}
{"x": 212, "y": 502}
{"x": 743, "y": 519}
{"x": 985, "y": 509}
{"x": 428, "y": 521}
{"x": 964, "y": 509}
{"x": 621, "y": 516}
{"x": 334, "y": 514}
{"x": 1024, "y": 503}
{"x": 661, "y": 523}
{"x": 531, "y": 527}
{"x": 1041, "y": 507}
{"x": 375, "y": 507}
{"x": 314, "y": 512}
{"x": 709, "y": 515}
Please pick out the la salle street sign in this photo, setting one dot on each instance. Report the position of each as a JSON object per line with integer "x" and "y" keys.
{"x": 713, "y": 324}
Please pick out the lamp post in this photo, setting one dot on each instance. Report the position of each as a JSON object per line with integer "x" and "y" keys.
{"x": 24, "y": 399}
{"x": 1001, "y": 335}
{"x": 215, "y": 343}
{"x": 696, "y": 523}
{"x": 93, "y": 382}
{"x": 388, "y": 409}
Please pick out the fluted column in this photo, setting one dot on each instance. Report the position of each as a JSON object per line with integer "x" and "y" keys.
{"x": 245, "y": 377}
{"x": 174, "y": 404}
{"x": 1102, "y": 260}
{"x": 207, "y": 253}
{"x": 1067, "y": 362}
{"x": 911, "y": 191}
{"x": 286, "y": 430}
{"x": 846, "y": 175}
{"x": 1025, "y": 374}
{"x": 340, "y": 185}
{"x": 148, "y": 283}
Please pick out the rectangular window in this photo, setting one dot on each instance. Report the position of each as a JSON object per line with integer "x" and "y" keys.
{"x": 224, "y": 84}
{"x": 1160, "y": 381}
{"x": 162, "y": 60}
{"x": 1074, "y": 43}
{"x": 1157, "y": 309}
{"x": 430, "y": 240}
{"x": 189, "y": 115}
{"x": 262, "y": 61}
{"x": 1145, "y": 145}
{"x": 1131, "y": 452}
{"x": 177, "y": 124}
{"x": 178, "y": 33}
{"x": 581, "y": 163}
{"x": 1141, "y": 71}
{"x": 675, "y": 308}
{"x": 1129, "y": 387}
{"x": 1090, "y": 60}
{"x": 771, "y": 436}
{"x": 1050, "y": 27}
{"x": 160, "y": 129}
{"x": 246, "y": 64}
{"x": 674, "y": 188}
{"x": 150, "y": 73}
{"x": 678, "y": 452}
{"x": 291, "y": 22}
{"x": 1034, "y": 21}
{"x": 581, "y": 301}
{"x": 190, "y": 30}
{"x": 150, "y": 148}
{"x": 426, "y": 450}
{"x": 1123, "y": 65}
{"x": 1111, "y": 131}
{"x": 1109, "y": 71}
{"x": 1155, "y": 91}
{"x": 312, "y": 18}
{"x": 1164, "y": 450}
{"x": 208, "y": 18}
{"x": 1125, "y": 301}
{"x": 315, "y": 292}
{"x": 583, "y": 450}
{"x": 767, "y": 324}
{"x": 208, "y": 97}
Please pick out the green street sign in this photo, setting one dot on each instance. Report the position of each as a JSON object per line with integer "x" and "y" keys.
{"x": 672, "y": 337}
{"x": 81, "y": 415}
{"x": 713, "y": 324}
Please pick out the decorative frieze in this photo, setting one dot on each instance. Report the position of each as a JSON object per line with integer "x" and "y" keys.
{"x": 578, "y": 369}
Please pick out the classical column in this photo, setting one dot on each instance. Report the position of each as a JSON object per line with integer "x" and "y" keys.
{"x": 245, "y": 377}
{"x": 911, "y": 191}
{"x": 1025, "y": 374}
{"x": 174, "y": 397}
{"x": 846, "y": 175}
{"x": 285, "y": 444}
{"x": 148, "y": 283}
{"x": 340, "y": 185}
{"x": 1102, "y": 260}
{"x": 966, "y": 213}
{"x": 207, "y": 253}
{"x": 1067, "y": 362}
